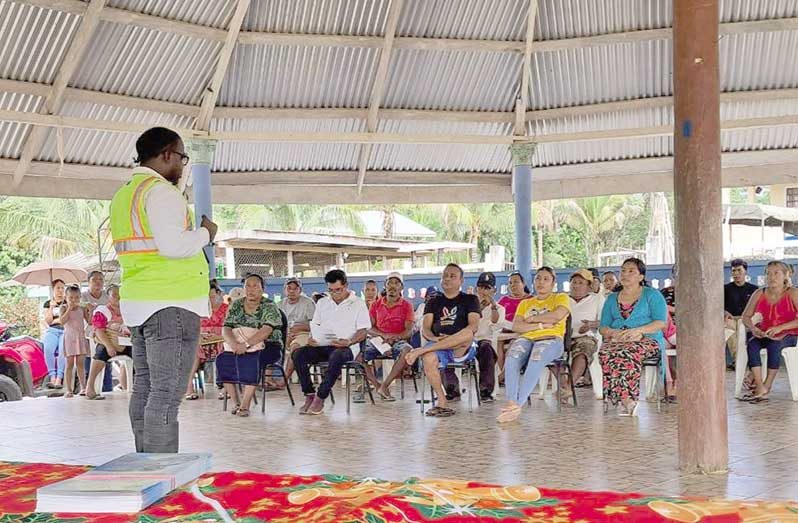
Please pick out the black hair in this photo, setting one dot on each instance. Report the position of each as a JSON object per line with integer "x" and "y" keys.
{"x": 336, "y": 275}
{"x": 367, "y": 282}
{"x": 738, "y": 262}
{"x": 456, "y": 267}
{"x": 215, "y": 285}
{"x": 57, "y": 280}
{"x": 641, "y": 268}
{"x": 548, "y": 269}
{"x": 518, "y": 273}
{"x": 253, "y": 275}
{"x": 317, "y": 296}
{"x": 594, "y": 272}
{"x": 93, "y": 273}
{"x": 153, "y": 142}
{"x": 72, "y": 288}
{"x": 610, "y": 272}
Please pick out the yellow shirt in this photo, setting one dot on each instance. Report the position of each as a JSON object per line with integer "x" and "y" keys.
{"x": 531, "y": 307}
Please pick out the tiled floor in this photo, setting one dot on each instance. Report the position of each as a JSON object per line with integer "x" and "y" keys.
{"x": 579, "y": 448}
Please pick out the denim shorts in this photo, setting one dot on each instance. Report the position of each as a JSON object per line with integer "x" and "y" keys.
{"x": 447, "y": 356}
{"x": 370, "y": 353}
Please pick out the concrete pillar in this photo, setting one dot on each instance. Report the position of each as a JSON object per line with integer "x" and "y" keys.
{"x": 229, "y": 263}
{"x": 290, "y": 262}
{"x": 201, "y": 153}
{"x": 703, "y": 430}
{"x": 522, "y": 198}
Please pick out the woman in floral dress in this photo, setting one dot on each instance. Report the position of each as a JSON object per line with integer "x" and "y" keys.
{"x": 211, "y": 328}
{"x": 631, "y": 324}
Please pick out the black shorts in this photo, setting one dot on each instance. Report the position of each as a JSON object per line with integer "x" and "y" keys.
{"x": 101, "y": 353}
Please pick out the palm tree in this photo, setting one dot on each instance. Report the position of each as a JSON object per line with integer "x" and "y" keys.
{"x": 301, "y": 218}
{"x": 52, "y": 228}
{"x": 598, "y": 219}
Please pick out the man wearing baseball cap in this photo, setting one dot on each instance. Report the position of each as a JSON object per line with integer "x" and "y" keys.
{"x": 492, "y": 314}
{"x": 392, "y": 321}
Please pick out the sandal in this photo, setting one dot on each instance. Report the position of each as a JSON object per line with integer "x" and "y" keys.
{"x": 384, "y": 396}
{"x": 440, "y": 412}
{"x": 222, "y": 395}
{"x": 192, "y": 396}
{"x": 760, "y": 399}
{"x": 242, "y": 413}
{"x": 94, "y": 397}
{"x": 235, "y": 410}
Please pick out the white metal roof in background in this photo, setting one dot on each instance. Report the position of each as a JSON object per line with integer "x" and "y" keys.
{"x": 292, "y": 113}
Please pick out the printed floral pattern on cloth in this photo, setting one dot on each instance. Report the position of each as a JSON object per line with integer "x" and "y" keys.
{"x": 251, "y": 498}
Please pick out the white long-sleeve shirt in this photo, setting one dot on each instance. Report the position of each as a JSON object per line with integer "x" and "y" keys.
{"x": 166, "y": 210}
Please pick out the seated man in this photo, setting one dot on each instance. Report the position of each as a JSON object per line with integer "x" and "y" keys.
{"x": 450, "y": 320}
{"x": 106, "y": 323}
{"x": 586, "y": 309}
{"x": 339, "y": 324}
{"x": 609, "y": 282}
{"x": 298, "y": 310}
{"x": 735, "y": 297}
{"x": 492, "y": 318}
{"x": 392, "y": 321}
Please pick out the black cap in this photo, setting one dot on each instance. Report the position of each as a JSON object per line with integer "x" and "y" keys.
{"x": 486, "y": 279}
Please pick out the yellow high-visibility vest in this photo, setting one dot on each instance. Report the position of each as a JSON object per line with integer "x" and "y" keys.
{"x": 146, "y": 274}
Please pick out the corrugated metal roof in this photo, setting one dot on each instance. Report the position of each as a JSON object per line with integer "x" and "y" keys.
{"x": 213, "y": 13}
{"x": 570, "y": 153}
{"x": 762, "y": 139}
{"x": 453, "y": 80}
{"x": 104, "y": 148}
{"x": 290, "y": 76}
{"x": 758, "y": 61}
{"x": 742, "y": 10}
{"x": 33, "y": 41}
{"x": 488, "y": 158}
{"x": 248, "y": 156}
{"x": 13, "y": 134}
{"x": 342, "y": 17}
{"x": 471, "y": 19}
{"x": 574, "y": 18}
{"x": 590, "y": 75}
{"x": 136, "y": 61}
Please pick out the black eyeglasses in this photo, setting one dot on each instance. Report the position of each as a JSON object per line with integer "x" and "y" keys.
{"x": 184, "y": 158}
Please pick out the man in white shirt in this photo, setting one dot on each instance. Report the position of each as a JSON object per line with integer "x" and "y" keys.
{"x": 339, "y": 325}
{"x": 586, "y": 309}
{"x": 298, "y": 310}
{"x": 164, "y": 289}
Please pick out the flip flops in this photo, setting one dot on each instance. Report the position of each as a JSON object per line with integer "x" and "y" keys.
{"x": 95, "y": 397}
{"x": 440, "y": 412}
{"x": 192, "y": 396}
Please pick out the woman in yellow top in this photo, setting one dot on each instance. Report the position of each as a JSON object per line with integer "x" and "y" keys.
{"x": 541, "y": 322}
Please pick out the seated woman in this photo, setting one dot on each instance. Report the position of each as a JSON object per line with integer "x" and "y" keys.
{"x": 772, "y": 317}
{"x": 631, "y": 325}
{"x": 107, "y": 327}
{"x": 253, "y": 338}
{"x": 518, "y": 292}
{"x": 211, "y": 328}
{"x": 541, "y": 321}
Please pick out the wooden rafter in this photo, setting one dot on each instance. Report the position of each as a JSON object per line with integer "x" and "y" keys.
{"x": 526, "y": 71}
{"x": 55, "y": 97}
{"x": 212, "y": 92}
{"x": 378, "y": 89}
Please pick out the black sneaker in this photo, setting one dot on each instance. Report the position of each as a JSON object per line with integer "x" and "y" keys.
{"x": 452, "y": 397}
{"x": 486, "y": 397}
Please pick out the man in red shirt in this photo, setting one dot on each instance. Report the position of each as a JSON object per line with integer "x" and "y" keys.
{"x": 392, "y": 322}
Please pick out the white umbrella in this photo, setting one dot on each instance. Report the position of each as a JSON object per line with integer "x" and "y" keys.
{"x": 43, "y": 273}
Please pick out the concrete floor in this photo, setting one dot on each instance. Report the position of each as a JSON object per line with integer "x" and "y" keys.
{"x": 579, "y": 448}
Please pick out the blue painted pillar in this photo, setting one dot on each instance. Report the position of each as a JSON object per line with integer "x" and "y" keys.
{"x": 201, "y": 153}
{"x": 522, "y": 198}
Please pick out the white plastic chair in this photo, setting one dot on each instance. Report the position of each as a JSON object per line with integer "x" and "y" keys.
{"x": 790, "y": 355}
{"x": 741, "y": 362}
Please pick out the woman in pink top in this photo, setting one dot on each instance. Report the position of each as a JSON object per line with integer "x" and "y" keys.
{"x": 518, "y": 292}
{"x": 772, "y": 317}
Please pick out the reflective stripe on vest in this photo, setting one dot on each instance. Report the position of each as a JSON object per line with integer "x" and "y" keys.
{"x": 135, "y": 246}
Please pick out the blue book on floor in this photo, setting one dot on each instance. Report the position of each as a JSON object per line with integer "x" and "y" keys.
{"x": 127, "y": 484}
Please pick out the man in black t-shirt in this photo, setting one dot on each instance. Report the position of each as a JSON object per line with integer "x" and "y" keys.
{"x": 450, "y": 321}
{"x": 735, "y": 297}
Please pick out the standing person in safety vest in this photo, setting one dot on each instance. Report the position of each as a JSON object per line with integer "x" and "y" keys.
{"x": 164, "y": 289}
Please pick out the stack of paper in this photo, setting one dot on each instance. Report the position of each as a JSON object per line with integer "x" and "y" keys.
{"x": 127, "y": 484}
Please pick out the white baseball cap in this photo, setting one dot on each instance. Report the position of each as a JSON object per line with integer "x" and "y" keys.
{"x": 396, "y": 275}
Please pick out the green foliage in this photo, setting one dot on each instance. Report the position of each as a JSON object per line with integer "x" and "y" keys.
{"x": 564, "y": 248}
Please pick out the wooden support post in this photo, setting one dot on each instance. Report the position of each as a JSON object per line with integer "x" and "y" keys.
{"x": 703, "y": 430}
{"x": 289, "y": 256}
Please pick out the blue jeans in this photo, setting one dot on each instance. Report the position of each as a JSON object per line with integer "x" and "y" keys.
{"x": 518, "y": 387}
{"x": 164, "y": 348}
{"x": 772, "y": 346}
{"x": 54, "y": 352}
